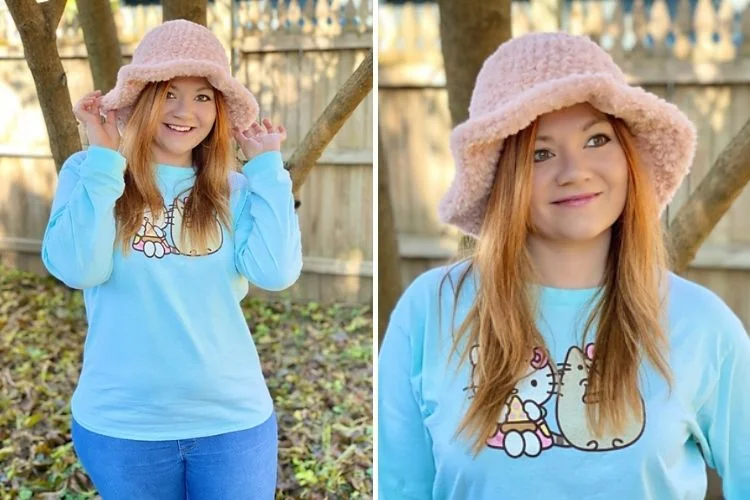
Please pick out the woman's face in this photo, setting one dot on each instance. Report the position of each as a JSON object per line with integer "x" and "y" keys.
{"x": 580, "y": 178}
{"x": 187, "y": 117}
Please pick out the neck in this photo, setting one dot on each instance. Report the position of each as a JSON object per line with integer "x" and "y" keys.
{"x": 570, "y": 264}
{"x": 164, "y": 158}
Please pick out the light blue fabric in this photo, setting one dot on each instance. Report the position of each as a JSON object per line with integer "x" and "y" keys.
{"x": 423, "y": 393}
{"x": 168, "y": 354}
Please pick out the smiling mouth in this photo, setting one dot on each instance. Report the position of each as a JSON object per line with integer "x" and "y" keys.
{"x": 577, "y": 201}
{"x": 179, "y": 129}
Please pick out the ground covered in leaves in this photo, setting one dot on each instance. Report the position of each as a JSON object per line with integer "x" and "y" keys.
{"x": 317, "y": 361}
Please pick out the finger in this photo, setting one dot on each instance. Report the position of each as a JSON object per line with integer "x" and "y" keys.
{"x": 269, "y": 126}
{"x": 91, "y": 95}
{"x": 257, "y": 129}
{"x": 282, "y": 132}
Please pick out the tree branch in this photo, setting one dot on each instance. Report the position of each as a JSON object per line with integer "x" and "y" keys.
{"x": 40, "y": 48}
{"x": 53, "y": 11}
{"x": 346, "y": 100}
{"x": 711, "y": 200}
{"x": 102, "y": 45}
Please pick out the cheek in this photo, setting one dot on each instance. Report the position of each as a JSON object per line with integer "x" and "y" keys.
{"x": 617, "y": 179}
{"x": 167, "y": 108}
{"x": 208, "y": 116}
{"x": 540, "y": 189}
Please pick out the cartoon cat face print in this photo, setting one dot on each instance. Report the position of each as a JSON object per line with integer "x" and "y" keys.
{"x": 539, "y": 384}
{"x": 521, "y": 425}
{"x": 573, "y": 396}
{"x": 162, "y": 235}
{"x": 188, "y": 247}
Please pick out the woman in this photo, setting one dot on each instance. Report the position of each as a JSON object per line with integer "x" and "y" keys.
{"x": 163, "y": 237}
{"x": 562, "y": 359}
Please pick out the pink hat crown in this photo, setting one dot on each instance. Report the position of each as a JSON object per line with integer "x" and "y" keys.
{"x": 531, "y": 60}
{"x": 179, "y": 40}
{"x": 174, "y": 49}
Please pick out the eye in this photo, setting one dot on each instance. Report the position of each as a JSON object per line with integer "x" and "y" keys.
{"x": 203, "y": 98}
{"x": 170, "y": 95}
{"x": 598, "y": 140}
{"x": 541, "y": 155}
{"x": 534, "y": 383}
{"x": 580, "y": 367}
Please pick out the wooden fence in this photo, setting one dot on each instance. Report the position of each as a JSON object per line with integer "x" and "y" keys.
{"x": 293, "y": 57}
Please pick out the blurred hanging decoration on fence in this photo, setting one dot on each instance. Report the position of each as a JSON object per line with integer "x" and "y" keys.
{"x": 307, "y": 17}
{"x": 253, "y": 22}
{"x": 683, "y": 39}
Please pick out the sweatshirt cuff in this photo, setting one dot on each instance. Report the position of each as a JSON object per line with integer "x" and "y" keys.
{"x": 266, "y": 163}
{"x": 101, "y": 160}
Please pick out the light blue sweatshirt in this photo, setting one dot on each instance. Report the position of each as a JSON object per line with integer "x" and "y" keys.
{"x": 542, "y": 447}
{"x": 168, "y": 353}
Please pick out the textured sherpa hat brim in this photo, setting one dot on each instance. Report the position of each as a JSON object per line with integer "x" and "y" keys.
{"x": 132, "y": 79}
{"x": 664, "y": 137}
{"x": 174, "y": 49}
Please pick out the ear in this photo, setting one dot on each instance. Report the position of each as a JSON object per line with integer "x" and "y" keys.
{"x": 539, "y": 360}
{"x": 590, "y": 351}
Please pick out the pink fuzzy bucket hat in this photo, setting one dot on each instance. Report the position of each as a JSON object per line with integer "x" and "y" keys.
{"x": 180, "y": 48}
{"x": 542, "y": 72}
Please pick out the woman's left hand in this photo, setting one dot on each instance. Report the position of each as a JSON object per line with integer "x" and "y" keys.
{"x": 260, "y": 139}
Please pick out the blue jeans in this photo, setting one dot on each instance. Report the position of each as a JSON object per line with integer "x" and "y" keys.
{"x": 233, "y": 466}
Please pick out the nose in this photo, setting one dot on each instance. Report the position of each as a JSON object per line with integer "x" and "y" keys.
{"x": 183, "y": 108}
{"x": 573, "y": 169}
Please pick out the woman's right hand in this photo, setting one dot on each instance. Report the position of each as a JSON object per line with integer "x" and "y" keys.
{"x": 100, "y": 133}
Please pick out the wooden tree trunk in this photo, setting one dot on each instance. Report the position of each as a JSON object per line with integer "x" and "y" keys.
{"x": 102, "y": 45}
{"x": 470, "y": 30}
{"x": 36, "y": 24}
{"x": 192, "y": 10}
{"x": 389, "y": 259}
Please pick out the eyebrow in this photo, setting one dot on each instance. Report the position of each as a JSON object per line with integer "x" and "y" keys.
{"x": 588, "y": 125}
{"x": 202, "y": 88}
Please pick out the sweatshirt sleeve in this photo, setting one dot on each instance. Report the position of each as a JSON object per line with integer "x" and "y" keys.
{"x": 724, "y": 416}
{"x": 406, "y": 467}
{"x": 78, "y": 242}
{"x": 268, "y": 248}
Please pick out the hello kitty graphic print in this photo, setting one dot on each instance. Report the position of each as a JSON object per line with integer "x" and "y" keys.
{"x": 162, "y": 235}
{"x": 547, "y": 408}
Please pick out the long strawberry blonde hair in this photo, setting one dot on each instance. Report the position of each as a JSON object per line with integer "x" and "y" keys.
{"x": 628, "y": 311}
{"x": 209, "y": 196}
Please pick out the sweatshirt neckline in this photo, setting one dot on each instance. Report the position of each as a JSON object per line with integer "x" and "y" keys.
{"x": 165, "y": 170}
{"x": 565, "y": 296}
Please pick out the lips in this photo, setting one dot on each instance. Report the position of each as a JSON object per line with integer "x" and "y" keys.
{"x": 179, "y": 129}
{"x": 577, "y": 200}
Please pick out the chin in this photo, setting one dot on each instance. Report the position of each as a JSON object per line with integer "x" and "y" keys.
{"x": 583, "y": 233}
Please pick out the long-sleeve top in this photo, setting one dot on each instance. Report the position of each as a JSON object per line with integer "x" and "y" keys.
{"x": 542, "y": 446}
{"x": 168, "y": 353}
